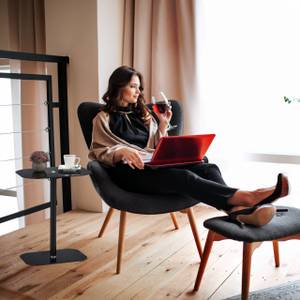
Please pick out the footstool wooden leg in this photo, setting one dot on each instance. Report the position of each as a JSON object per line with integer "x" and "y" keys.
{"x": 247, "y": 255}
{"x": 276, "y": 253}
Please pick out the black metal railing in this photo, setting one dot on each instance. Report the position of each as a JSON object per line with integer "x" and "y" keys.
{"x": 61, "y": 105}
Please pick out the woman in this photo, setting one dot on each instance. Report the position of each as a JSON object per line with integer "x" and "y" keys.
{"x": 126, "y": 130}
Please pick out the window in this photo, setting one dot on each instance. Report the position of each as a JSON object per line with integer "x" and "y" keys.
{"x": 249, "y": 60}
{"x": 8, "y": 194}
{"x": 248, "y": 54}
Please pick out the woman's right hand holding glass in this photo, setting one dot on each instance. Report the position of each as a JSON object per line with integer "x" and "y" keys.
{"x": 129, "y": 156}
{"x": 164, "y": 120}
{"x": 163, "y": 111}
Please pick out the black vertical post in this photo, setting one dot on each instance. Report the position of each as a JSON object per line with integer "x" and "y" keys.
{"x": 64, "y": 129}
{"x": 50, "y": 121}
{"x": 52, "y": 220}
{"x": 52, "y": 180}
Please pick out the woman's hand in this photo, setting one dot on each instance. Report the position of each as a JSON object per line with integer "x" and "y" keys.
{"x": 130, "y": 156}
{"x": 164, "y": 119}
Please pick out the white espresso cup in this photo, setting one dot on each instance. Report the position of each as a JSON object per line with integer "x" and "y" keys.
{"x": 71, "y": 160}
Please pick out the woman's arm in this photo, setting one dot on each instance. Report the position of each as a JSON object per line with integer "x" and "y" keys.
{"x": 110, "y": 149}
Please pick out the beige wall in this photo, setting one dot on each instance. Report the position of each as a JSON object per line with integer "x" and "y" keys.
{"x": 110, "y": 39}
{"x": 71, "y": 29}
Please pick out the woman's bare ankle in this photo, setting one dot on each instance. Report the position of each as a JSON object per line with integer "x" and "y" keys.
{"x": 247, "y": 198}
{"x": 242, "y": 198}
{"x": 263, "y": 193}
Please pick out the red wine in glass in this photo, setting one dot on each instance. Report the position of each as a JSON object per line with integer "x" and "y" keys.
{"x": 161, "y": 106}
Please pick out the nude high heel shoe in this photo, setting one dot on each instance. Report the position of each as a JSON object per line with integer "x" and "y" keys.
{"x": 282, "y": 189}
{"x": 256, "y": 215}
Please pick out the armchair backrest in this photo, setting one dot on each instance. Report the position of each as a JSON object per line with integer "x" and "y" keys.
{"x": 110, "y": 192}
{"x": 88, "y": 110}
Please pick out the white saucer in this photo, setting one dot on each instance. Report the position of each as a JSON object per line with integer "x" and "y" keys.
{"x": 65, "y": 168}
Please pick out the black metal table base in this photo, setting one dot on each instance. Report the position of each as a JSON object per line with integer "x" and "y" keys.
{"x": 59, "y": 256}
{"x": 43, "y": 257}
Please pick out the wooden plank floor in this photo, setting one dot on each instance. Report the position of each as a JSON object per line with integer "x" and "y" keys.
{"x": 158, "y": 263}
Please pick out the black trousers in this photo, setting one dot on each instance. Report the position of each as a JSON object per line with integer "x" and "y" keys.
{"x": 202, "y": 181}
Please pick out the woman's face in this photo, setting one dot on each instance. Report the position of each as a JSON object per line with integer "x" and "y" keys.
{"x": 131, "y": 91}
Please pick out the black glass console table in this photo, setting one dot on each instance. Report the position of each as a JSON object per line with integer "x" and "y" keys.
{"x": 53, "y": 255}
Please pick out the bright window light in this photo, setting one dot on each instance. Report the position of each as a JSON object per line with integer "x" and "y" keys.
{"x": 8, "y": 205}
{"x": 248, "y": 61}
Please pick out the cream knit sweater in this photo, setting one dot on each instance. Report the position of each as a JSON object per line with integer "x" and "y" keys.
{"x": 105, "y": 143}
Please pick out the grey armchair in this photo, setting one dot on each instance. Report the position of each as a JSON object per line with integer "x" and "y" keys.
{"x": 125, "y": 201}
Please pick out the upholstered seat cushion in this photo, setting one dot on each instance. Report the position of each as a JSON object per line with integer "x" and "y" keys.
{"x": 282, "y": 225}
{"x": 133, "y": 202}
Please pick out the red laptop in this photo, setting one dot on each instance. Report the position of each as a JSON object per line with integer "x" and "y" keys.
{"x": 177, "y": 150}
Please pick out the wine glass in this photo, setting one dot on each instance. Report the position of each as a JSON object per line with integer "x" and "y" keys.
{"x": 161, "y": 106}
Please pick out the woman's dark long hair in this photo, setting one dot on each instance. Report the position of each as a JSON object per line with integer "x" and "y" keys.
{"x": 117, "y": 81}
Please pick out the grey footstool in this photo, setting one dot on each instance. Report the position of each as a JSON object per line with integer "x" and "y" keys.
{"x": 284, "y": 226}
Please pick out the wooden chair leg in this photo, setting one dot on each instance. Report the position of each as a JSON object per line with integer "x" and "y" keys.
{"x": 194, "y": 230}
{"x": 207, "y": 249}
{"x": 276, "y": 253}
{"x": 173, "y": 216}
{"x": 247, "y": 255}
{"x": 121, "y": 239}
{"x": 106, "y": 221}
